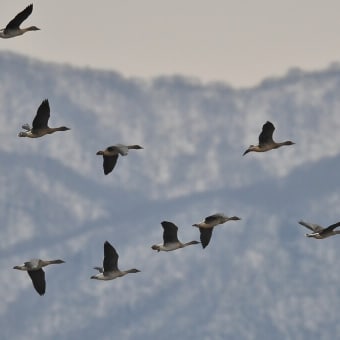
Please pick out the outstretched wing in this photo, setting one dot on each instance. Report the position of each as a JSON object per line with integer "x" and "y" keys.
{"x": 314, "y": 227}
{"x": 19, "y": 18}
{"x": 331, "y": 227}
{"x": 205, "y": 236}
{"x": 213, "y": 218}
{"x": 170, "y": 232}
{"x": 266, "y": 136}
{"x": 38, "y": 279}
{"x": 109, "y": 162}
{"x": 110, "y": 262}
{"x": 43, "y": 115}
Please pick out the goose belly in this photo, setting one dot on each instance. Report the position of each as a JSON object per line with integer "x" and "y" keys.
{"x": 171, "y": 246}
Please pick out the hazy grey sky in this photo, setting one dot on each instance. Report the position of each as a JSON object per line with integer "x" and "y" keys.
{"x": 240, "y": 42}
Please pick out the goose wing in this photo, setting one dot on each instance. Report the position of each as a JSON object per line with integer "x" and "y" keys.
{"x": 112, "y": 149}
{"x": 43, "y": 115}
{"x": 110, "y": 262}
{"x": 314, "y": 227}
{"x": 205, "y": 236}
{"x": 266, "y": 135}
{"x": 331, "y": 227}
{"x": 38, "y": 279}
{"x": 19, "y": 18}
{"x": 170, "y": 232}
{"x": 109, "y": 162}
{"x": 213, "y": 218}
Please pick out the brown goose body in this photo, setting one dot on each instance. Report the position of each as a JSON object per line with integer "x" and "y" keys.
{"x": 170, "y": 239}
{"x": 111, "y": 153}
{"x": 36, "y": 273}
{"x": 266, "y": 141}
{"x": 13, "y": 27}
{"x": 319, "y": 232}
{"x": 206, "y": 227}
{"x": 40, "y": 123}
{"x": 110, "y": 270}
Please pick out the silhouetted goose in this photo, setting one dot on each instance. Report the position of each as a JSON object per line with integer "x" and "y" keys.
{"x": 320, "y": 232}
{"x": 266, "y": 141}
{"x": 206, "y": 227}
{"x": 110, "y": 269}
{"x": 12, "y": 29}
{"x": 40, "y": 123}
{"x": 36, "y": 273}
{"x": 170, "y": 239}
{"x": 111, "y": 153}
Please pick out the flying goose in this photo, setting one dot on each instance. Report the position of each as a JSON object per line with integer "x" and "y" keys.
{"x": 110, "y": 269}
{"x": 170, "y": 240}
{"x": 36, "y": 273}
{"x": 320, "y": 232}
{"x": 111, "y": 153}
{"x": 266, "y": 141}
{"x": 206, "y": 227}
{"x": 40, "y": 123}
{"x": 12, "y": 29}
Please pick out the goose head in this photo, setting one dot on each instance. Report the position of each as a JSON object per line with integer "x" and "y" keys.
{"x": 133, "y": 270}
{"x": 18, "y": 267}
{"x": 32, "y": 28}
{"x": 63, "y": 128}
{"x": 136, "y": 147}
{"x": 235, "y": 218}
{"x": 289, "y": 142}
{"x": 251, "y": 148}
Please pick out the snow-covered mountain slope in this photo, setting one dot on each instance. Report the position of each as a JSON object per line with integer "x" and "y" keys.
{"x": 259, "y": 278}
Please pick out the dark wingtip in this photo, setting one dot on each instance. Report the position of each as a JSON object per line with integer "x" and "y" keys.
{"x": 166, "y": 222}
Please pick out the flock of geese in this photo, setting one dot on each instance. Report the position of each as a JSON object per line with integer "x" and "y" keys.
{"x": 109, "y": 269}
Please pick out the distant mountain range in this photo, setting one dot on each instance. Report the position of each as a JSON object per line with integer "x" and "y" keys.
{"x": 259, "y": 278}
